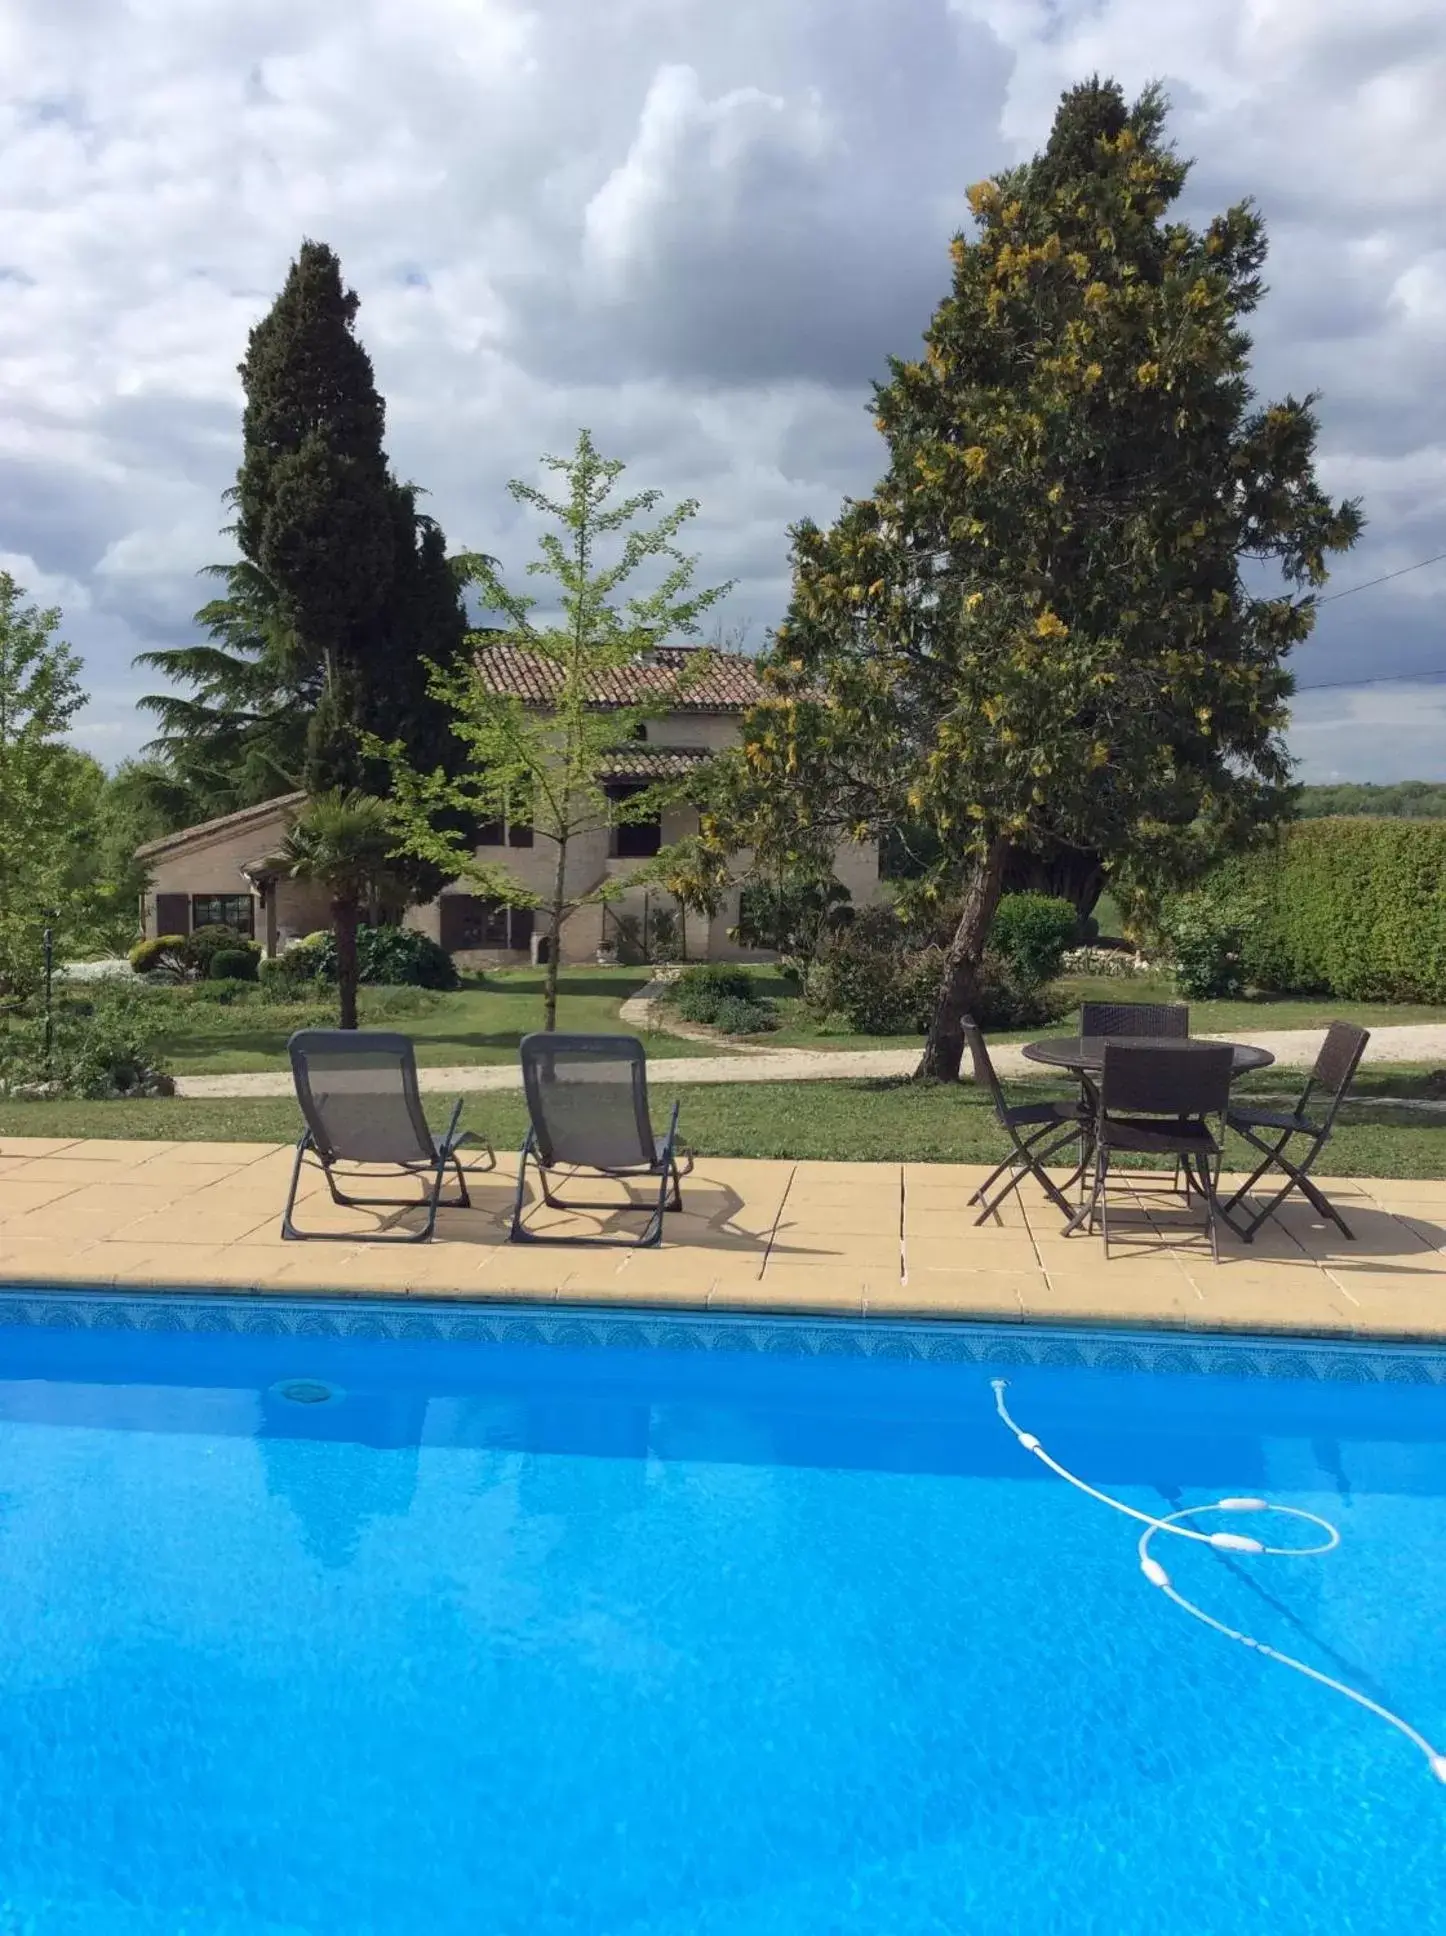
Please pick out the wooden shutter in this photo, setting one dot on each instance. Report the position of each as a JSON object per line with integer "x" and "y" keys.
{"x": 173, "y": 914}
{"x": 519, "y": 835}
{"x": 456, "y": 911}
{"x": 522, "y": 921}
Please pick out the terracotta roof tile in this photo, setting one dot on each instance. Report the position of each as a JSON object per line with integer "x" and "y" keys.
{"x": 652, "y": 763}
{"x": 726, "y": 682}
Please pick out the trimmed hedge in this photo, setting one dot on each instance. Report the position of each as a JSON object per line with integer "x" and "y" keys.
{"x": 1355, "y": 908}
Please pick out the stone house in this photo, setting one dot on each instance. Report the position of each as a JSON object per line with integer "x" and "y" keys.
{"x": 222, "y": 869}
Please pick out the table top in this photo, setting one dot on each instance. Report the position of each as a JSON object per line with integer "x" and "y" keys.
{"x": 1085, "y": 1054}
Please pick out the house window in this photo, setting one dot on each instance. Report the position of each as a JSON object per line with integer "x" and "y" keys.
{"x": 508, "y": 833}
{"x": 634, "y": 839}
{"x": 236, "y": 911}
{"x": 467, "y": 921}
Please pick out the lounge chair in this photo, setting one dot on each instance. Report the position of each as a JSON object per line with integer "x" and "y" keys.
{"x": 1155, "y": 1101}
{"x": 587, "y": 1098}
{"x": 361, "y": 1104}
{"x": 1333, "y": 1074}
{"x": 1051, "y": 1124}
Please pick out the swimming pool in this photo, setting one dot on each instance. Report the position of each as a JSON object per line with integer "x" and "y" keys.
{"x": 398, "y": 1618}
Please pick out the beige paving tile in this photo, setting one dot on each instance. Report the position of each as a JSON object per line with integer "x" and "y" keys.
{"x": 35, "y": 1145}
{"x": 19, "y": 1195}
{"x": 1135, "y": 1299}
{"x": 686, "y": 1289}
{"x": 120, "y": 1151}
{"x": 962, "y": 1294}
{"x": 38, "y": 1264}
{"x": 236, "y": 1156}
{"x": 977, "y": 1251}
{"x": 815, "y": 1250}
{"x": 785, "y": 1289}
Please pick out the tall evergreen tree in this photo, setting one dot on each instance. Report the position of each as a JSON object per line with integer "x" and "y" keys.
{"x": 342, "y": 600}
{"x": 317, "y": 506}
{"x": 1045, "y": 631}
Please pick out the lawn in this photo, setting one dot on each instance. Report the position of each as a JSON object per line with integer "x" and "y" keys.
{"x": 864, "y": 1121}
{"x": 481, "y": 1023}
{"x": 1206, "y": 1018}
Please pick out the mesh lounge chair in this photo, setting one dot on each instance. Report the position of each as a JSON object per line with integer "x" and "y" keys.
{"x": 1124, "y": 1019}
{"x": 1334, "y": 1071}
{"x": 1155, "y": 1101}
{"x": 359, "y": 1097}
{"x": 587, "y": 1097}
{"x": 1040, "y": 1119}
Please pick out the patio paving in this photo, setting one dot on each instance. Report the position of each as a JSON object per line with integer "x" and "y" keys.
{"x": 858, "y": 1239}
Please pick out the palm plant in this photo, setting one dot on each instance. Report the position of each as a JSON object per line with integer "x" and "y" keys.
{"x": 344, "y": 842}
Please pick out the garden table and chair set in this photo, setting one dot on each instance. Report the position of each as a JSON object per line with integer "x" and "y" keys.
{"x": 1147, "y": 1088}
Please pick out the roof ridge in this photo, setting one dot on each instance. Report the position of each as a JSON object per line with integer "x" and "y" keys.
{"x": 237, "y": 818}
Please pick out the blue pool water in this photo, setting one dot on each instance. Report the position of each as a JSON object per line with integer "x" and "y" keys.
{"x": 524, "y": 1627}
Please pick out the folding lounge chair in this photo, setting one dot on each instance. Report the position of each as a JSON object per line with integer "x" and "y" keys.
{"x": 1155, "y": 1101}
{"x": 359, "y": 1097}
{"x": 587, "y": 1098}
{"x": 1052, "y": 1124}
{"x": 1334, "y": 1071}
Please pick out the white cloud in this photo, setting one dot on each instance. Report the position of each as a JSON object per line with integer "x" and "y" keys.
{"x": 698, "y": 231}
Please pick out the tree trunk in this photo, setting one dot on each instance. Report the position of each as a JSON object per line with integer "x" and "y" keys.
{"x": 554, "y": 943}
{"x": 959, "y": 985}
{"x": 343, "y": 921}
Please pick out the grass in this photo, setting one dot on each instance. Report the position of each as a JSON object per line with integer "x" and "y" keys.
{"x": 1250, "y": 1014}
{"x": 480, "y": 1024}
{"x": 864, "y": 1121}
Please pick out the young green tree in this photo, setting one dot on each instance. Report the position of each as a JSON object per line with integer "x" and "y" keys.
{"x": 1048, "y": 628}
{"x": 344, "y": 841}
{"x": 43, "y": 786}
{"x": 549, "y": 763}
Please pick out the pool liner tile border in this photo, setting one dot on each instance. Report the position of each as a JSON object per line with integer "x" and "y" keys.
{"x": 948, "y": 1341}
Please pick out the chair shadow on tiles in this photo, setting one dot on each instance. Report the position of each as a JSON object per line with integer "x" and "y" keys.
{"x": 714, "y": 1216}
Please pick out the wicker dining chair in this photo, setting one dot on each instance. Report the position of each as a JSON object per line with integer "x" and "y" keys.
{"x": 1028, "y": 1126}
{"x": 1169, "y": 1020}
{"x": 1156, "y": 1100}
{"x": 1334, "y": 1071}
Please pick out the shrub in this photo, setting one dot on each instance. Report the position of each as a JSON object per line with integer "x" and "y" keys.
{"x": 882, "y": 981}
{"x": 698, "y": 992}
{"x": 663, "y": 936}
{"x": 793, "y": 916}
{"x": 1031, "y": 932}
{"x": 1355, "y": 908}
{"x": 163, "y": 954}
{"x": 224, "y": 990}
{"x": 1205, "y": 931}
{"x": 234, "y": 964}
{"x": 394, "y": 957}
{"x": 102, "y": 1048}
{"x": 735, "y": 1015}
{"x": 204, "y": 944}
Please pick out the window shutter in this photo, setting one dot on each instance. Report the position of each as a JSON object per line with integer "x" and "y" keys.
{"x": 454, "y": 911}
{"x": 522, "y": 922}
{"x": 519, "y": 835}
{"x": 173, "y": 914}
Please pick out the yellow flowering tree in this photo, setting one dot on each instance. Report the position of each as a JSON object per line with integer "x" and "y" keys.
{"x": 1060, "y": 622}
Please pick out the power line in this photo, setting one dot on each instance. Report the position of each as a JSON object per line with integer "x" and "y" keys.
{"x": 1385, "y": 679}
{"x": 1384, "y": 579}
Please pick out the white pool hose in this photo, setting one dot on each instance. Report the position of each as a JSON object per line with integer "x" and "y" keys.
{"x": 1229, "y": 1542}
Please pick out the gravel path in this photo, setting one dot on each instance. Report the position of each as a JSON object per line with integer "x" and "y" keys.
{"x": 1292, "y": 1049}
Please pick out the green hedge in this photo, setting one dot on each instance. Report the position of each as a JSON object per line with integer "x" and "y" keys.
{"x": 1355, "y": 908}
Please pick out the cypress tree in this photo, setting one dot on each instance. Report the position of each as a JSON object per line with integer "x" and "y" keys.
{"x": 317, "y": 507}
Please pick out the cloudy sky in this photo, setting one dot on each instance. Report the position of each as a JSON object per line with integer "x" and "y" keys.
{"x": 697, "y": 229}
